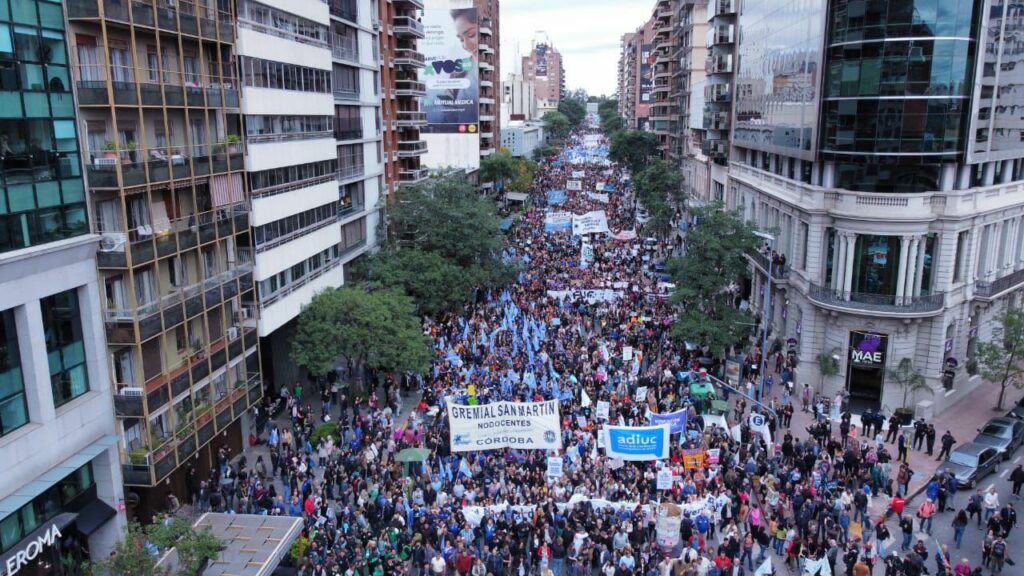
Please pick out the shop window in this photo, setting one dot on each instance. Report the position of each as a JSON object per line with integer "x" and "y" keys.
{"x": 13, "y": 408}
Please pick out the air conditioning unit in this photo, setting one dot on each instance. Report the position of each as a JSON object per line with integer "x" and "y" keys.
{"x": 132, "y": 391}
{"x": 112, "y": 242}
{"x": 376, "y": 25}
{"x": 105, "y": 161}
{"x": 244, "y": 313}
{"x": 232, "y": 332}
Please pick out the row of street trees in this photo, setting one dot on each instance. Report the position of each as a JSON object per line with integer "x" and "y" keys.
{"x": 445, "y": 241}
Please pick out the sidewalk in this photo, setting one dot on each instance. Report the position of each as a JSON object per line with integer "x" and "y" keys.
{"x": 962, "y": 420}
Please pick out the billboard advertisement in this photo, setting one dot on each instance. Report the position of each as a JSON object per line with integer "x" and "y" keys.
{"x": 450, "y": 73}
{"x": 540, "y": 57}
{"x": 646, "y": 73}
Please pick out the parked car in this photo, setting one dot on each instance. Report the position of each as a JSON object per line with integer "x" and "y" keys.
{"x": 1018, "y": 410}
{"x": 1003, "y": 433}
{"x": 971, "y": 462}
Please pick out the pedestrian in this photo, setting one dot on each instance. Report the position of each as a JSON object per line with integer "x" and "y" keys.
{"x": 907, "y": 528}
{"x": 999, "y": 555}
{"x": 991, "y": 503}
{"x": 925, "y": 512}
{"x": 1017, "y": 478}
{"x": 929, "y": 438}
{"x": 947, "y": 445}
{"x": 959, "y": 524}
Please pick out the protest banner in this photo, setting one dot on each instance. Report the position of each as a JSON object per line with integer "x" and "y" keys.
{"x": 555, "y": 466}
{"x": 625, "y": 235}
{"x": 627, "y": 353}
{"x": 588, "y": 295}
{"x": 558, "y": 221}
{"x": 676, "y": 420}
{"x": 556, "y": 197}
{"x": 664, "y": 479}
{"x": 693, "y": 459}
{"x": 667, "y": 526}
{"x": 592, "y": 222}
{"x": 603, "y": 198}
{"x": 602, "y": 409}
{"x": 713, "y": 456}
{"x": 636, "y": 443}
{"x": 578, "y": 174}
{"x": 522, "y": 425}
{"x": 573, "y": 185}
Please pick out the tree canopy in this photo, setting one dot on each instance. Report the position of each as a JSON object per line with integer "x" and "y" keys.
{"x": 634, "y": 149}
{"x": 556, "y": 126}
{"x": 574, "y": 110}
{"x": 999, "y": 359}
{"x": 376, "y": 327}
{"x": 498, "y": 167}
{"x": 707, "y": 277}
{"x": 434, "y": 283}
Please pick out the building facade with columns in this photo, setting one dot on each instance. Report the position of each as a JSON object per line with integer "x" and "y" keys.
{"x": 882, "y": 152}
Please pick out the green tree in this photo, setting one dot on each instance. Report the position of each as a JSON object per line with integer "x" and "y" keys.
{"x": 659, "y": 181}
{"x": 707, "y": 277}
{"x": 556, "y": 126}
{"x": 634, "y": 149}
{"x": 827, "y": 368}
{"x": 434, "y": 283}
{"x": 129, "y": 556}
{"x": 612, "y": 125}
{"x": 999, "y": 359}
{"x": 195, "y": 548}
{"x": 544, "y": 151}
{"x": 498, "y": 168}
{"x": 525, "y": 171}
{"x": 377, "y": 328}
{"x": 908, "y": 379}
{"x": 574, "y": 110}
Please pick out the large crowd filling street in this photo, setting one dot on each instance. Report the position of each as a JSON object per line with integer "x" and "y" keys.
{"x": 654, "y": 467}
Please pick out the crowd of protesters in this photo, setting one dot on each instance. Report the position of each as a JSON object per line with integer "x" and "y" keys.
{"x": 801, "y": 500}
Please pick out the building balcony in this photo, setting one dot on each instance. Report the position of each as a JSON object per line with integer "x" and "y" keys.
{"x": 716, "y": 149}
{"x": 407, "y": 119}
{"x": 761, "y": 262}
{"x": 128, "y": 402}
{"x": 486, "y": 84}
{"x": 485, "y": 27}
{"x": 406, "y": 27}
{"x": 856, "y": 302}
{"x": 344, "y": 49}
{"x": 724, "y": 7}
{"x": 413, "y": 148}
{"x": 410, "y": 176}
{"x": 991, "y": 289}
{"x": 414, "y": 4}
{"x": 410, "y": 88}
{"x": 136, "y": 167}
{"x": 408, "y": 57}
{"x": 346, "y": 95}
{"x": 344, "y": 9}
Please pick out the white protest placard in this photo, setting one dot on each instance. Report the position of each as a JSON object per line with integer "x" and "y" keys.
{"x": 555, "y": 466}
{"x": 593, "y": 222}
{"x": 664, "y": 479}
{"x": 578, "y": 173}
{"x": 627, "y": 353}
{"x": 581, "y": 421}
{"x": 641, "y": 394}
{"x": 616, "y": 463}
{"x": 584, "y": 398}
{"x": 574, "y": 185}
{"x": 602, "y": 409}
{"x": 602, "y": 198}
{"x": 523, "y": 425}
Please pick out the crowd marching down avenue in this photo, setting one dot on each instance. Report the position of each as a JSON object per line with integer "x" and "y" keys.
{"x": 564, "y": 430}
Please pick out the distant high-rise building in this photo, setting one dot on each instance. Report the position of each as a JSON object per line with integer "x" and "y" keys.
{"x": 58, "y": 439}
{"x": 637, "y": 66}
{"x": 400, "y": 61}
{"x": 518, "y": 99}
{"x": 542, "y": 68}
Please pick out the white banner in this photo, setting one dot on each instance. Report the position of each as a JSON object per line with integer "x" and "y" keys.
{"x": 578, "y": 173}
{"x": 602, "y": 409}
{"x": 664, "y": 479}
{"x": 555, "y": 466}
{"x": 624, "y": 235}
{"x": 590, "y": 296}
{"x": 602, "y": 198}
{"x": 637, "y": 443}
{"x": 590, "y": 223}
{"x": 557, "y": 221}
{"x": 523, "y": 425}
{"x": 573, "y": 185}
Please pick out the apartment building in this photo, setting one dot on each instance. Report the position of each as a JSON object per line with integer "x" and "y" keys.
{"x": 626, "y": 80}
{"x": 883, "y": 146}
{"x": 686, "y": 44}
{"x": 636, "y": 91}
{"x": 664, "y": 111}
{"x": 722, "y": 34}
{"x": 489, "y": 59}
{"x": 55, "y": 504}
{"x": 158, "y": 92}
{"x": 402, "y": 90}
{"x": 542, "y": 69}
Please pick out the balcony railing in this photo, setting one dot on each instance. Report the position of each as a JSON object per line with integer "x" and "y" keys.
{"x": 406, "y": 118}
{"x": 886, "y": 303}
{"x": 344, "y": 48}
{"x": 408, "y": 57}
{"x": 409, "y": 149}
{"x": 410, "y": 88}
{"x": 407, "y": 26}
{"x": 413, "y": 176}
{"x": 989, "y": 289}
{"x": 346, "y": 129}
{"x": 136, "y": 166}
{"x": 778, "y": 272}
{"x": 346, "y": 94}
{"x": 346, "y": 172}
{"x": 344, "y": 9}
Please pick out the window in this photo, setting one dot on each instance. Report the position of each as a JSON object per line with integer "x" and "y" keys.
{"x": 346, "y": 81}
{"x": 20, "y": 523}
{"x": 62, "y": 324}
{"x": 268, "y": 235}
{"x": 260, "y": 73}
{"x": 278, "y": 180}
{"x": 961, "y": 252}
{"x": 262, "y": 128}
{"x": 259, "y": 17}
{"x": 13, "y": 409}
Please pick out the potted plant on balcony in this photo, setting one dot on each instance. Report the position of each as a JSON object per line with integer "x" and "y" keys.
{"x": 232, "y": 141}
{"x": 911, "y": 381}
{"x": 137, "y": 457}
{"x": 109, "y": 149}
{"x": 128, "y": 154}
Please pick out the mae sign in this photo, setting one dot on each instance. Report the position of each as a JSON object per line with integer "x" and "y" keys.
{"x": 867, "y": 349}
{"x": 17, "y": 559}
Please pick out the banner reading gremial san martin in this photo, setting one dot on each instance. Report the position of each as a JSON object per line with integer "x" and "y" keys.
{"x": 523, "y": 425}
{"x": 637, "y": 442}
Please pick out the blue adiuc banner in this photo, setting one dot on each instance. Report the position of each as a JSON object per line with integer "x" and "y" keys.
{"x": 637, "y": 442}
{"x": 677, "y": 420}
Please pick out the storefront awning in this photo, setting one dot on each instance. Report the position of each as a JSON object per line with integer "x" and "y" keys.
{"x": 517, "y": 196}
{"x": 93, "y": 516}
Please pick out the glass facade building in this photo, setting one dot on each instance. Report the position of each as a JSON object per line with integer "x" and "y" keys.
{"x": 897, "y": 91}
{"x": 42, "y": 197}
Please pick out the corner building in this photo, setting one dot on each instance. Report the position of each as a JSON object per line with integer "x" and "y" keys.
{"x": 61, "y": 486}
{"x": 883, "y": 145}
{"x": 159, "y": 88}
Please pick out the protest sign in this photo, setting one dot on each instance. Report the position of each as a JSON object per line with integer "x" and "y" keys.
{"x": 573, "y": 185}
{"x": 588, "y": 295}
{"x": 558, "y": 221}
{"x": 637, "y": 443}
{"x": 676, "y": 420}
{"x": 602, "y": 409}
{"x": 522, "y": 425}
{"x": 602, "y": 198}
{"x": 556, "y": 197}
{"x": 664, "y": 479}
{"x": 555, "y": 466}
{"x": 693, "y": 459}
{"x": 592, "y": 222}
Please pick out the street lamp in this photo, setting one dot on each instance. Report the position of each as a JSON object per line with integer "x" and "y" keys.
{"x": 767, "y": 307}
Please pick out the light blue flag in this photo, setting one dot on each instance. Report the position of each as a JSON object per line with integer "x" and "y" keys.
{"x": 464, "y": 468}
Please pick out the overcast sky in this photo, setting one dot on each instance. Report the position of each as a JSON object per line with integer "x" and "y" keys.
{"x": 586, "y": 32}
